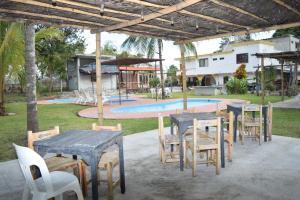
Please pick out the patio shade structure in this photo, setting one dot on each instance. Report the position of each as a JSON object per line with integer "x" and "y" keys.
{"x": 128, "y": 61}
{"x": 282, "y": 57}
{"x": 179, "y": 21}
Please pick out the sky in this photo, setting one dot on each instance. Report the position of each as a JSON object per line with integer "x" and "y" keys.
{"x": 170, "y": 51}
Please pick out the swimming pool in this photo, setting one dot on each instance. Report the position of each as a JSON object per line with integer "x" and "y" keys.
{"x": 69, "y": 100}
{"x": 178, "y": 104}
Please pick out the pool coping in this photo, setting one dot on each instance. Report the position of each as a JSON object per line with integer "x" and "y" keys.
{"x": 108, "y": 114}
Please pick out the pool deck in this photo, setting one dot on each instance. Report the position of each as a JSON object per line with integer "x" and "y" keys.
{"x": 108, "y": 114}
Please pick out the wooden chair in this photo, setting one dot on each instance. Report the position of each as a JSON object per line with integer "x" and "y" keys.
{"x": 58, "y": 162}
{"x": 250, "y": 126}
{"x": 270, "y": 120}
{"x": 165, "y": 142}
{"x": 209, "y": 145}
{"x": 189, "y": 110}
{"x": 109, "y": 160}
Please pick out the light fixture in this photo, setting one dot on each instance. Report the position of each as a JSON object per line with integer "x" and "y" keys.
{"x": 197, "y": 26}
{"x": 54, "y": 3}
{"x": 102, "y": 9}
{"x": 142, "y": 14}
{"x": 172, "y": 21}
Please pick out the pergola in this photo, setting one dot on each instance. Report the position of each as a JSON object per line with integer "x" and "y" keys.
{"x": 176, "y": 20}
{"x": 282, "y": 57}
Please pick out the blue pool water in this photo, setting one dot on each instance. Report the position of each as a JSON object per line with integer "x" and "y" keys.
{"x": 178, "y": 104}
{"x": 71, "y": 100}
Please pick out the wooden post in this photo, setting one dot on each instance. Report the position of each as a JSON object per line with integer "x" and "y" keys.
{"x": 98, "y": 78}
{"x": 31, "y": 71}
{"x": 183, "y": 75}
{"x": 296, "y": 74}
{"x": 262, "y": 81}
{"x": 282, "y": 82}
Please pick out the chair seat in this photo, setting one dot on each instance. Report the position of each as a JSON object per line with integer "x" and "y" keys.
{"x": 109, "y": 157}
{"x": 172, "y": 139}
{"x": 60, "y": 181}
{"x": 203, "y": 143}
{"x": 60, "y": 163}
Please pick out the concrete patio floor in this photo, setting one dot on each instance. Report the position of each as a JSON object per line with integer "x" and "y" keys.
{"x": 269, "y": 171}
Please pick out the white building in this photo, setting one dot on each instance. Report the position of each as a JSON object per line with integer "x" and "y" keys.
{"x": 81, "y": 73}
{"x": 217, "y": 68}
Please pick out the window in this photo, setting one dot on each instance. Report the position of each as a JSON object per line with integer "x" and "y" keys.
{"x": 214, "y": 59}
{"x": 242, "y": 58}
{"x": 225, "y": 79}
{"x": 222, "y": 58}
{"x": 203, "y": 62}
{"x": 297, "y": 44}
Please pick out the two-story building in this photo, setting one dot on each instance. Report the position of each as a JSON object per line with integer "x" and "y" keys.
{"x": 218, "y": 67}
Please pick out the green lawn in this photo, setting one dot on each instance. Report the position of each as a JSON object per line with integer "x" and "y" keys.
{"x": 13, "y": 128}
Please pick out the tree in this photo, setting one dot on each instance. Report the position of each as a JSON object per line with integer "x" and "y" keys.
{"x": 285, "y": 32}
{"x": 109, "y": 49}
{"x": 53, "y": 52}
{"x": 240, "y": 72}
{"x": 150, "y": 47}
{"x": 171, "y": 73}
{"x": 11, "y": 54}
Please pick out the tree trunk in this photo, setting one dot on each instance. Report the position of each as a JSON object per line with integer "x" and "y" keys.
{"x": 2, "y": 88}
{"x": 51, "y": 81}
{"x": 31, "y": 71}
{"x": 161, "y": 69}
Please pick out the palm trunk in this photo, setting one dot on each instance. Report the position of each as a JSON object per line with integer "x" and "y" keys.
{"x": 31, "y": 71}
{"x": 161, "y": 69}
{"x": 2, "y": 86}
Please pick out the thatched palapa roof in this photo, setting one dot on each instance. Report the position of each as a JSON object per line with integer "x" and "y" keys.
{"x": 180, "y": 21}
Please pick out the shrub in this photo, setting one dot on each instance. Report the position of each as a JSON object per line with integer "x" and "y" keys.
{"x": 270, "y": 86}
{"x": 237, "y": 86}
{"x": 240, "y": 72}
{"x": 154, "y": 82}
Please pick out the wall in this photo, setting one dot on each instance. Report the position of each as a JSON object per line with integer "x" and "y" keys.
{"x": 226, "y": 67}
{"x": 285, "y": 43}
{"x": 109, "y": 82}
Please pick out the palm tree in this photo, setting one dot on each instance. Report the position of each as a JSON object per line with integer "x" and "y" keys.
{"x": 11, "y": 54}
{"x": 150, "y": 47}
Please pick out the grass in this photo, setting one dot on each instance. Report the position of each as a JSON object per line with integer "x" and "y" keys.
{"x": 249, "y": 97}
{"x": 13, "y": 128}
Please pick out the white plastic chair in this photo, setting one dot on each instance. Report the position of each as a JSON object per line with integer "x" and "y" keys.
{"x": 49, "y": 185}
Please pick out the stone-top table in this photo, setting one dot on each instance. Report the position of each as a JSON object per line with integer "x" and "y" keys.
{"x": 87, "y": 144}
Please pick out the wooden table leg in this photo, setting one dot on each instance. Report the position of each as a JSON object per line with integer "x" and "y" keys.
{"x": 181, "y": 150}
{"x": 121, "y": 165}
{"x": 222, "y": 144}
{"x": 235, "y": 126}
{"x": 94, "y": 176}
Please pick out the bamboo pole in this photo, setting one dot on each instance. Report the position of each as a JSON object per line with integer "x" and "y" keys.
{"x": 183, "y": 75}
{"x": 98, "y": 78}
{"x": 282, "y": 81}
{"x": 262, "y": 80}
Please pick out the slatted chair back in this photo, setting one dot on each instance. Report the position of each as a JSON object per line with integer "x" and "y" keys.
{"x": 32, "y": 137}
{"x": 270, "y": 120}
{"x": 201, "y": 124}
{"x": 95, "y": 127}
{"x": 161, "y": 132}
{"x": 189, "y": 110}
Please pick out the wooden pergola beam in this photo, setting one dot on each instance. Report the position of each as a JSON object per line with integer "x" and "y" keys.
{"x": 287, "y": 6}
{"x": 255, "y": 30}
{"x": 47, "y": 17}
{"x": 212, "y": 19}
{"x": 73, "y": 10}
{"x": 226, "y": 5}
{"x": 164, "y": 11}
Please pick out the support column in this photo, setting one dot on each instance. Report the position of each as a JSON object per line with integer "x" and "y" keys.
{"x": 183, "y": 75}
{"x": 99, "y": 78}
{"x": 282, "y": 82}
{"x": 262, "y": 80}
{"x": 31, "y": 71}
